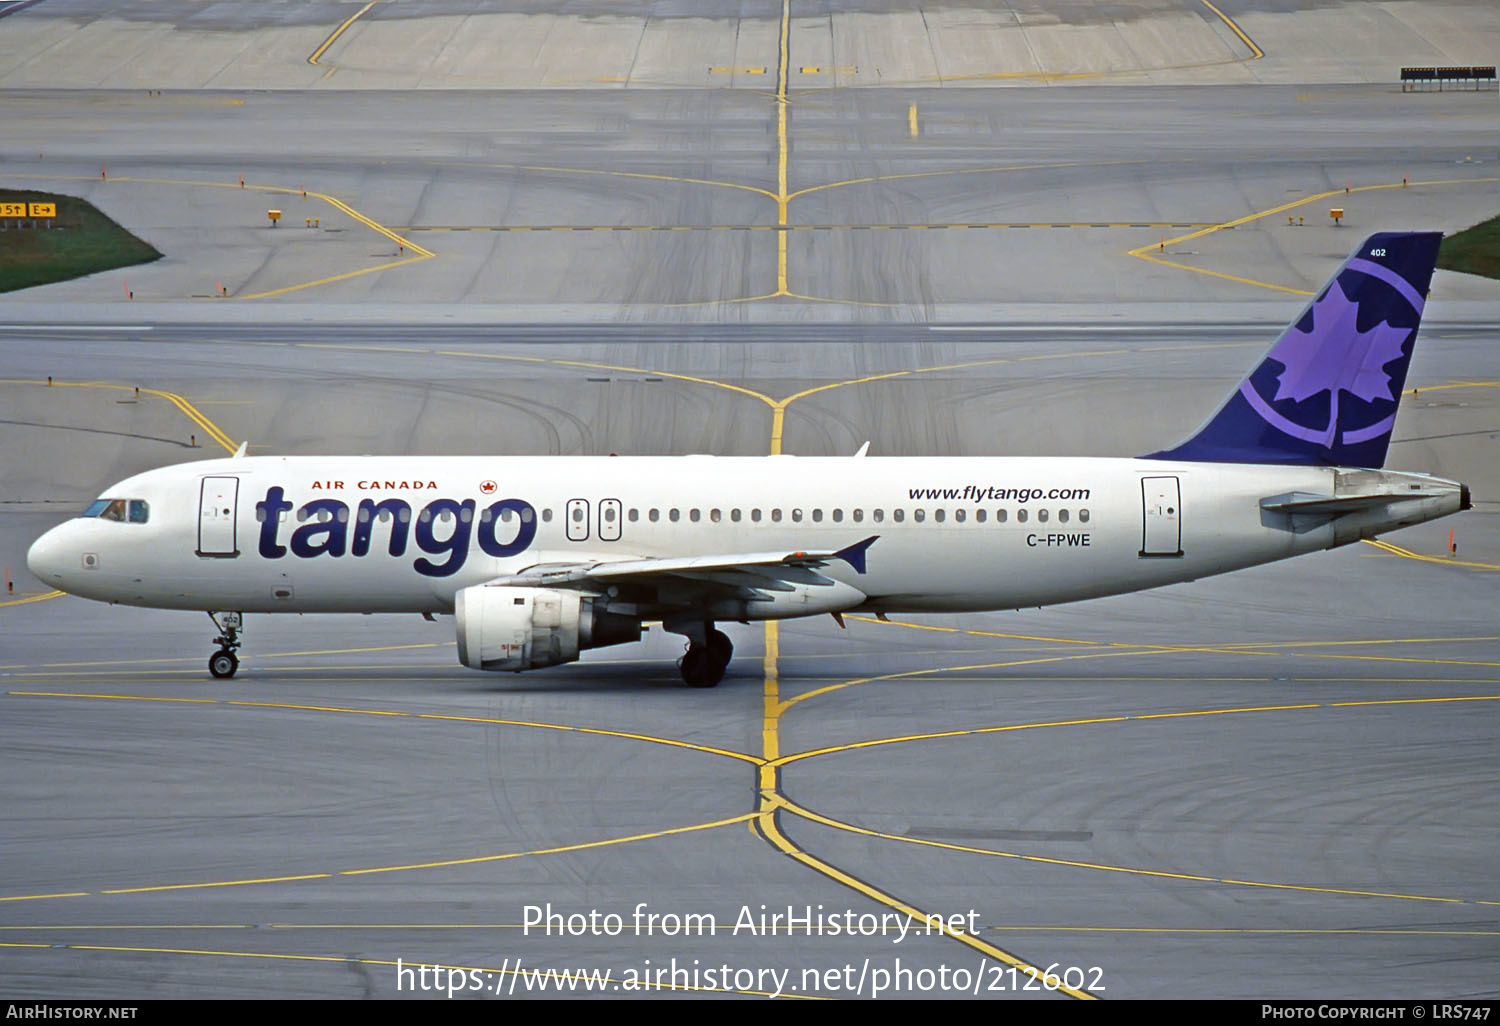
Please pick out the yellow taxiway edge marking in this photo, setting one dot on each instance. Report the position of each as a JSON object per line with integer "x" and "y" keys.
{"x": 554, "y": 977}
{"x": 337, "y": 277}
{"x": 1108, "y": 868}
{"x": 421, "y": 253}
{"x": 781, "y": 842}
{"x": 560, "y": 849}
{"x": 187, "y": 408}
{"x": 783, "y": 198}
{"x": 1397, "y": 550}
{"x": 333, "y": 37}
{"x": 398, "y": 713}
{"x": 32, "y": 598}
{"x": 787, "y": 760}
{"x": 220, "y": 883}
{"x": 1143, "y": 252}
{"x": 1257, "y": 51}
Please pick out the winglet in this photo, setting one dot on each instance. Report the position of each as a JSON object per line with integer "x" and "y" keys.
{"x": 1327, "y": 391}
{"x": 854, "y": 555}
{"x": 864, "y": 450}
{"x": 239, "y": 453}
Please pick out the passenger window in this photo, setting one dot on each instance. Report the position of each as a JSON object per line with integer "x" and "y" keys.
{"x": 979, "y": 515}
{"x": 734, "y": 514}
{"x": 1083, "y": 516}
{"x": 577, "y": 514}
{"x": 898, "y": 515}
{"x": 405, "y": 515}
{"x": 694, "y": 515}
{"x": 919, "y": 515}
{"x": 1020, "y": 516}
{"x": 715, "y": 515}
{"x": 796, "y": 516}
{"x": 673, "y": 515}
{"x": 1041, "y": 516}
{"x": 609, "y": 514}
{"x": 937, "y": 515}
{"x": 817, "y": 516}
{"x": 654, "y": 515}
{"x": 775, "y": 516}
{"x": 546, "y": 516}
{"x": 1001, "y": 516}
{"x": 139, "y": 511}
{"x": 634, "y": 514}
{"x": 877, "y": 515}
{"x": 343, "y": 515}
{"x": 838, "y": 516}
{"x": 527, "y": 516}
{"x": 755, "y": 516}
{"x": 859, "y": 516}
{"x": 958, "y": 516}
{"x": 1062, "y": 516}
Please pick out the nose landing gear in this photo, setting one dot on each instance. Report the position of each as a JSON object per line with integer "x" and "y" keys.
{"x": 224, "y": 662}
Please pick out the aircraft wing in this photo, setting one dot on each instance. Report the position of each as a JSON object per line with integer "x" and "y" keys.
{"x": 761, "y": 571}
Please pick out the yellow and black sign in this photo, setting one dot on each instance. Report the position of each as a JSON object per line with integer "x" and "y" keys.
{"x": 8, "y": 209}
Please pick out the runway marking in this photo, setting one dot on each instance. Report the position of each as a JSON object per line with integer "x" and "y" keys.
{"x": 419, "y": 252}
{"x": 1144, "y": 252}
{"x": 29, "y": 599}
{"x": 333, "y": 37}
{"x": 187, "y": 408}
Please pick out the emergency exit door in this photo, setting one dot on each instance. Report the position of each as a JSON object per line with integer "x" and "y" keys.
{"x": 610, "y": 516}
{"x": 217, "y": 503}
{"x": 576, "y": 514}
{"x": 1161, "y": 517}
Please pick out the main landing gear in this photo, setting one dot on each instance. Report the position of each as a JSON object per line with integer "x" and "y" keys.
{"x": 224, "y": 662}
{"x": 708, "y": 653}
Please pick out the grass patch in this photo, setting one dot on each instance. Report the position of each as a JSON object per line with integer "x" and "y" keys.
{"x": 81, "y": 241}
{"x": 1474, "y": 250}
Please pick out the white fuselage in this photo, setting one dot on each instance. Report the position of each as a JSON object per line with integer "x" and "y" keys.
{"x": 317, "y": 534}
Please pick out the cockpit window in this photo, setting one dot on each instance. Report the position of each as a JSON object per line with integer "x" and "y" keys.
{"x": 135, "y": 511}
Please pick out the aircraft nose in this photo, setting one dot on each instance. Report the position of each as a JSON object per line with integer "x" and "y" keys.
{"x": 45, "y": 558}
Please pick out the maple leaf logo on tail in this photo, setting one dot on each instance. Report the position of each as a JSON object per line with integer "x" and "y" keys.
{"x": 1327, "y": 392}
{"x": 1323, "y": 360}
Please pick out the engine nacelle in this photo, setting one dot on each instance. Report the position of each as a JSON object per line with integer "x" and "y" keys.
{"x": 506, "y": 628}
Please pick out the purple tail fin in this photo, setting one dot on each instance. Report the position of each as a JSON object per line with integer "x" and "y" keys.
{"x": 1327, "y": 391}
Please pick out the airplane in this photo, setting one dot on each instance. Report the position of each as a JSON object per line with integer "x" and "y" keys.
{"x": 540, "y": 557}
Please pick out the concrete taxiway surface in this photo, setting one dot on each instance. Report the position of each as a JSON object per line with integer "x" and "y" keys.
{"x": 1274, "y": 784}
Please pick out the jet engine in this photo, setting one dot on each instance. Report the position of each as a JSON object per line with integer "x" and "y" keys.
{"x": 509, "y": 628}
